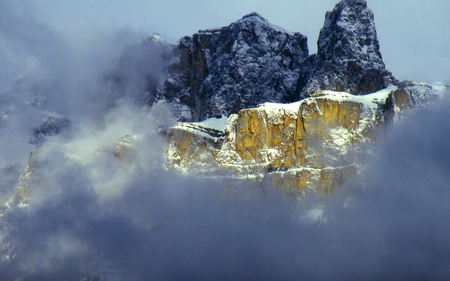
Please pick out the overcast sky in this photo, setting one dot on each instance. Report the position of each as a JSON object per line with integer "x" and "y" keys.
{"x": 414, "y": 37}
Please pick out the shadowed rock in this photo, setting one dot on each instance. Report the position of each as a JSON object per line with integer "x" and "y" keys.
{"x": 221, "y": 71}
{"x": 348, "y": 57}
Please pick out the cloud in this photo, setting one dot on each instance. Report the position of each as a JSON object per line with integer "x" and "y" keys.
{"x": 47, "y": 71}
{"x": 169, "y": 227}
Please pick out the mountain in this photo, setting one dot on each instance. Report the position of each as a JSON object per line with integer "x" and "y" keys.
{"x": 345, "y": 97}
{"x": 221, "y": 71}
{"x": 348, "y": 57}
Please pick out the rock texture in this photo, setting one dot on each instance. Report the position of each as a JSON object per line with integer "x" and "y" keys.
{"x": 221, "y": 71}
{"x": 224, "y": 74}
{"x": 348, "y": 57}
{"x": 315, "y": 143}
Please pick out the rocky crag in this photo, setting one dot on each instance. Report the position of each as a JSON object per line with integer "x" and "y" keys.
{"x": 255, "y": 106}
{"x": 346, "y": 94}
{"x": 221, "y": 71}
{"x": 348, "y": 57}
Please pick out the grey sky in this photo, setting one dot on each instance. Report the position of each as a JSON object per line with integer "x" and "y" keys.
{"x": 413, "y": 34}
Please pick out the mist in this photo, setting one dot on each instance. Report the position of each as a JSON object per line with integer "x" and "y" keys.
{"x": 46, "y": 72}
{"x": 151, "y": 224}
{"x": 92, "y": 217}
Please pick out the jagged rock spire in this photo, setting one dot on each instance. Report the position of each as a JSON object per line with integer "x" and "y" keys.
{"x": 349, "y": 33}
{"x": 348, "y": 57}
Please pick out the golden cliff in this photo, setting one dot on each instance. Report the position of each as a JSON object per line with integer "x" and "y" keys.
{"x": 316, "y": 143}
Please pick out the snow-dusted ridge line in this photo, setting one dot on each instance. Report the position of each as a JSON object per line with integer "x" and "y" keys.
{"x": 255, "y": 17}
{"x": 209, "y": 128}
{"x": 218, "y": 124}
{"x": 371, "y": 101}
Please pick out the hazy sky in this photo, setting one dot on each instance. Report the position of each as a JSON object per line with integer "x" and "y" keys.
{"x": 414, "y": 36}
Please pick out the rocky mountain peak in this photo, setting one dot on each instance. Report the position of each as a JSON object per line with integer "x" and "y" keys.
{"x": 221, "y": 71}
{"x": 349, "y": 33}
{"x": 252, "y": 16}
{"x": 348, "y": 57}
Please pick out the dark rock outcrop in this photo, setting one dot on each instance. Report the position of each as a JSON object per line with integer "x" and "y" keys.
{"x": 348, "y": 57}
{"x": 52, "y": 126}
{"x": 220, "y": 71}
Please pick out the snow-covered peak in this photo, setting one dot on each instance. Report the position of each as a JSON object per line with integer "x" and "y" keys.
{"x": 156, "y": 38}
{"x": 349, "y": 57}
{"x": 354, "y": 2}
{"x": 249, "y": 21}
{"x": 254, "y": 16}
{"x": 257, "y": 20}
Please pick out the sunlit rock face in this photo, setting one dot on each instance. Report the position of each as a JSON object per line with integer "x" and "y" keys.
{"x": 408, "y": 96}
{"x": 348, "y": 57}
{"x": 295, "y": 146}
{"x": 221, "y": 71}
{"x": 317, "y": 143}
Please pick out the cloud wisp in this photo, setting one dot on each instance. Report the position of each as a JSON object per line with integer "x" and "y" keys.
{"x": 167, "y": 227}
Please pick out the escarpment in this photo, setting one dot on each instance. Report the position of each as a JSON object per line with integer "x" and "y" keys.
{"x": 318, "y": 142}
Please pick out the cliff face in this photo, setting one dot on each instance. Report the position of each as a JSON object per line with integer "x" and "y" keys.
{"x": 293, "y": 146}
{"x": 348, "y": 57}
{"x": 315, "y": 143}
{"x": 220, "y": 71}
